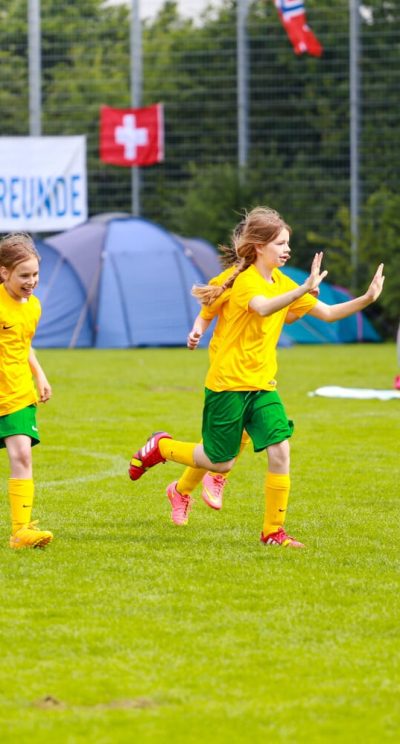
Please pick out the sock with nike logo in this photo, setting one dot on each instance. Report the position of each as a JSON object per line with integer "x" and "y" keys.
{"x": 20, "y": 492}
{"x": 277, "y": 489}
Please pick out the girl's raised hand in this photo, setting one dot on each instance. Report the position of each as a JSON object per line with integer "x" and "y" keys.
{"x": 376, "y": 286}
{"x": 316, "y": 276}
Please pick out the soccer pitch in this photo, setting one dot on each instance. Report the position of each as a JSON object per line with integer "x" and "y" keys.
{"x": 130, "y": 629}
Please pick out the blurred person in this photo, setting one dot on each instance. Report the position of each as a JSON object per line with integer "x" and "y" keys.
{"x": 240, "y": 386}
{"x": 19, "y": 315}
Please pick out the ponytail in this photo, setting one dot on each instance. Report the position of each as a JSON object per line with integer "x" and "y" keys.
{"x": 209, "y": 293}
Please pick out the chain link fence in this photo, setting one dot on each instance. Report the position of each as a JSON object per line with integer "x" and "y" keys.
{"x": 298, "y": 108}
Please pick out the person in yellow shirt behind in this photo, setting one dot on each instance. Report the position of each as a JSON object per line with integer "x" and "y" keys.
{"x": 240, "y": 386}
{"x": 19, "y": 315}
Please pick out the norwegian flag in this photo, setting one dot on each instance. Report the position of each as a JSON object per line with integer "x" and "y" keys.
{"x": 132, "y": 136}
{"x": 293, "y": 19}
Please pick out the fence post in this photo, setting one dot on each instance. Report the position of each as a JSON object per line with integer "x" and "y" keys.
{"x": 34, "y": 74}
{"x": 242, "y": 74}
{"x": 354, "y": 43}
{"x": 136, "y": 91}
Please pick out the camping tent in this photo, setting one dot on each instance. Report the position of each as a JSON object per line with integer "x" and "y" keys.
{"x": 310, "y": 330}
{"x": 119, "y": 281}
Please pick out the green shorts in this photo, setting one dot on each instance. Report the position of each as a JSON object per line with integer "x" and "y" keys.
{"x": 226, "y": 414}
{"x": 19, "y": 422}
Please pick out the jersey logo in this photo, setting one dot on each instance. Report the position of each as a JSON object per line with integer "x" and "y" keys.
{"x": 6, "y": 328}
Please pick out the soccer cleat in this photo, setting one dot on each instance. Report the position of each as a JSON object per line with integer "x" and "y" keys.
{"x": 147, "y": 456}
{"x": 31, "y": 536}
{"x": 281, "y": 538}
{"x": 181, "y": 504}
{"x": 213, "y": 489}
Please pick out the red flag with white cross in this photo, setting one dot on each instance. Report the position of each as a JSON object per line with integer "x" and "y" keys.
{"x": 132, "y": 136}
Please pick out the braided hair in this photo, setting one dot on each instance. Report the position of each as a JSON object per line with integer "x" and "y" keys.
{"x": 260, "y": 225}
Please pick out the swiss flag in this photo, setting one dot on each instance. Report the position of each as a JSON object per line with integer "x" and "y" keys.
{"x": 132, "y": 136}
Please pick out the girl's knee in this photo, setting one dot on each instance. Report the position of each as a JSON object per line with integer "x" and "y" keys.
{"x": 224, "y": 467}
{"x": 279, "y": 454}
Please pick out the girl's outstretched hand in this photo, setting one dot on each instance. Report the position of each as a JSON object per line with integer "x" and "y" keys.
{"x": 376, "y": 286}
{"x": 316, "y": 275}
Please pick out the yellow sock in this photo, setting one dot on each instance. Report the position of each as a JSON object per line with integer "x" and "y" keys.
{"x": 277, "y": 489}
{"x": 20, "y": 493}
{"x": 189, "y": 479}
{"x": 178, "y": 451}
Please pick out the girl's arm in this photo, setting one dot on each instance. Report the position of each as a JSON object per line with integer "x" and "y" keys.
{"x": 330, "y": 313}
{"x": 43, "y": 385}
{"x": 267, "y": 306}
{"x": 291, "y": 317}
{"x": 200, "y": 326}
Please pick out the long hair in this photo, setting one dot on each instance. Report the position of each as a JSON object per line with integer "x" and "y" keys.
{"x": 15, "y": 248}
{"x": 260, "y": 225}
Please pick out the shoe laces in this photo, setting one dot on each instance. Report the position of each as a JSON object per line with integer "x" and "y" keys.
{"x": 33, "y": 525}
{"x": 185, "y": 503}
{"x": 219, "y": 483}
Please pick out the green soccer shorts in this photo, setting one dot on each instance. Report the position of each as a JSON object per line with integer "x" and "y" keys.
{"x": 19, "y": 422}
{"x": 227, "y": 413}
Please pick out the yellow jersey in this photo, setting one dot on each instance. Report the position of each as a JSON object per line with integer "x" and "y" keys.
{"x": 18, "y": 322}
{"x": 246, "y": 355}
{"x": 218, "y": 308}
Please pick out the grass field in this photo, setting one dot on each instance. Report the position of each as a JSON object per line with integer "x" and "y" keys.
{"x": 130, "y": 629}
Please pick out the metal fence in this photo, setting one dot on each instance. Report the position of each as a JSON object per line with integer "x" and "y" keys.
{"x": 298, "y": 107}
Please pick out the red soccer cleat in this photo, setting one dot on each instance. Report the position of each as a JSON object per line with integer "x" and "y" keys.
{"x": 281, "y": 538}
{"x": 147, "y": 456}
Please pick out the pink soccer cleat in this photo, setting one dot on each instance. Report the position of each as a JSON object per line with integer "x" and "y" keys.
{"x": 181, "y": 504}
{"x": 213, "y": 489}
{"x": 281, "y": 538}
{"x": 147, "y": 456}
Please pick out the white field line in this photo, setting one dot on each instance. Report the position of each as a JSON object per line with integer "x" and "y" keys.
{"x": 119, "y": 467}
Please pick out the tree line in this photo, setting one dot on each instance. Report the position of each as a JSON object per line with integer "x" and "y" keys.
{"x": 299, "y": 159}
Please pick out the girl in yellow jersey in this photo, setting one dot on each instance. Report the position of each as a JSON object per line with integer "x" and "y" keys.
{"x": 19, "y": 316}
{"x": 240, "y": 385}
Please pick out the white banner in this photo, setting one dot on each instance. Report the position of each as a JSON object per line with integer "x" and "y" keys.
{"x": 42, "y": 183}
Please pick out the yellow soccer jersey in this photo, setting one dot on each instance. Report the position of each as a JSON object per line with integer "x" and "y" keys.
{"x": 18, "y": 322}
{"x": 219, "y": 309}
{"x": 246, "y": 354}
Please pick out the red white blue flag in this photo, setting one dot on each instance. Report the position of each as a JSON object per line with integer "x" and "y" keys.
{"x": 294, "y": 21}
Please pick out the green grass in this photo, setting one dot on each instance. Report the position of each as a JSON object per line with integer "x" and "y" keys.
{"x": 130, "y": 629}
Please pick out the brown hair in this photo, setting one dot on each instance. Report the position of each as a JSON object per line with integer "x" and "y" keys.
{"x": 15, "y": 248}
{"x": 260, "y": 225}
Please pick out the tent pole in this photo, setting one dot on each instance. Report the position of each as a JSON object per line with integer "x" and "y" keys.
{"x": 136, "y": 91}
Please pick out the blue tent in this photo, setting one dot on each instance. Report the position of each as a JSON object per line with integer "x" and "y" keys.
{"x": 310, "y": 330}
{"x": 63, "y": 298}
{"x": 119, "y": 281}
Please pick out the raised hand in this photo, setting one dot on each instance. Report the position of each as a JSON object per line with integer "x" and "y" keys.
{"x": 376, "y": 286}
{"x": 316, "y": 276}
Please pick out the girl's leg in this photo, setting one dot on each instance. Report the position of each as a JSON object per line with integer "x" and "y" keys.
{"x": 21, "y": 493}
{"x": 214, "y": 483}
{"x": 161, "y": 447}
{"x": 277, "y": 488}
